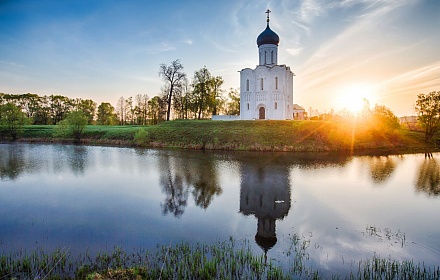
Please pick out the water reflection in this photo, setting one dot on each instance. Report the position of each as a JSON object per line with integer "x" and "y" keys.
{"x": 176, "y": 193}
{"x": 76, "y": 158}
{"x": 183, "y": 174}
{"x": 381, "y": 168}
{"x": 428, "y": 179}
{"x": 265, "y": 193}
{"x": 12, "y": 164}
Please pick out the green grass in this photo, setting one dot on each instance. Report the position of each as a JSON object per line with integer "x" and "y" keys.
{"x": 246, "y": 135}
{"x": 219, "y": 260}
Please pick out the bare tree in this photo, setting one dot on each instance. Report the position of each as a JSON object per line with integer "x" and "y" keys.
{"x": 173, "y": 76}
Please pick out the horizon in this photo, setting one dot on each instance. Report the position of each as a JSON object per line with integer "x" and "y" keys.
{"x": 340, "y": 51}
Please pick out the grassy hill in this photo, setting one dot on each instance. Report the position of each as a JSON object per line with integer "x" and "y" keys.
{"x": 247, "y": 135}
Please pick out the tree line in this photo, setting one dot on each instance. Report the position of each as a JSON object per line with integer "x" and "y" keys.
{"x": 179, "y": 99}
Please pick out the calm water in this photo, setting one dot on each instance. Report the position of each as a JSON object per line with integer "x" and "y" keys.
{"x": 347, "y": 208}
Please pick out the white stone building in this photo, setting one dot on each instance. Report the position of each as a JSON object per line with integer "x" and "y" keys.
{"x": 266, "y": 92}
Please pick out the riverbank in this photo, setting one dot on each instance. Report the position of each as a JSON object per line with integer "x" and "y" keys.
{"x": 287, "y": 136}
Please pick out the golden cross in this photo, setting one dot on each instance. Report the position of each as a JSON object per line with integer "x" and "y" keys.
{"x": 267, "y": 12}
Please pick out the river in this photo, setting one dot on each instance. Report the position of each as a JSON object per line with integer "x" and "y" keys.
{"x": 346, "y": 208}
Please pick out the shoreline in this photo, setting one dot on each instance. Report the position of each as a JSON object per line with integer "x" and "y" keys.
{"x": 361, "y": 138}
{"x": 380, "y": 151}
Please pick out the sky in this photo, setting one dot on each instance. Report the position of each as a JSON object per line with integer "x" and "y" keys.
{"x": 341, "y": 51}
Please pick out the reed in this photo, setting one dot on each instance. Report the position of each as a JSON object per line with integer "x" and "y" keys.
{"x": 229, "y": 259}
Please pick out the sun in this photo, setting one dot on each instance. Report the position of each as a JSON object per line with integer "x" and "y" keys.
{"x": 353, "y": 97}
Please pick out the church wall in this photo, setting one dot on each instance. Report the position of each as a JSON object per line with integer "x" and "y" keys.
{"x": 277, "y": 88}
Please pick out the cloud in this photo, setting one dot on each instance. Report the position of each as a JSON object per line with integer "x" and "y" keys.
{"x": 188, "y": 41}
{"x": 294, "y": 51}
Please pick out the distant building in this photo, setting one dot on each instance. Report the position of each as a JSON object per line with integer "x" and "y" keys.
{"x": 298, "y": 112}
{"x": 409, "y": 121}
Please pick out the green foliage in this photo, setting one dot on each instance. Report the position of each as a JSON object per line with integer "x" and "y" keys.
{"x": 141, "y": 137}
{"x": 385, "y": 118}
{"x": 428, "y": 110}
{"x": 72, "y": 126}
{"x": 106, "y": 114}
{"x": 12, "y": 120}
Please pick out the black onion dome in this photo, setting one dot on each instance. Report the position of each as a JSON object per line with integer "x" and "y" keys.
{"x": 268, "y": 37}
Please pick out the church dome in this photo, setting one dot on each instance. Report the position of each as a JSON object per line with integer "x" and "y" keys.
{"x": 268, "y": 37}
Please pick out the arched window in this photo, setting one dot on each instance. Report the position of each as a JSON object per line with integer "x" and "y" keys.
{"x": 261, "y": 84}
{"x": 271, "y": 58}
{"x": 248, "y": 106}
{"x": 276, "y": 82}
{"x": 247, "y": 85}
{"x": 265, "y": 57}
{"x": 276, "y": 105}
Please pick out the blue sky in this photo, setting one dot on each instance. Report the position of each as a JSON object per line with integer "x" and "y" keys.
{"x": 384, "y": 50}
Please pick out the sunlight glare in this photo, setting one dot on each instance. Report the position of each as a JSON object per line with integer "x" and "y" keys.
{"x": 352, "y": 97}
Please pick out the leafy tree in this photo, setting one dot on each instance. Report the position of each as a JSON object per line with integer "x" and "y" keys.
{"x": 233, "y": 105}
{"x": 215, "y": 97}
{"x": 180, "y": 101}
{"x": 201, "y": 90}
{"x": 12, "y": 120}
{"x": 156, "y": 110}
{"x": 60, "y": 106}
{"x": 120, "y": 110}
{"x": 106, "y": 114}
{"x": 141, "y": 109}
{"x": 88, "y": 107}
{"x": 428, "y": 110}
{"x": 73, "y": 125}
{"x": 173, "y": 76}
{"x": 385, "y": 117}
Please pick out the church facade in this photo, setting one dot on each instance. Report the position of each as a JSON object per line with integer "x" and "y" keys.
{"x": 266, "y": 92}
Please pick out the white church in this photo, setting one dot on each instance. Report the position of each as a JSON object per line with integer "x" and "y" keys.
{"x": 266, "y": 92}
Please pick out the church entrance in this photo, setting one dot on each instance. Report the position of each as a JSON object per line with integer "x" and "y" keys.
{"x": 262, "y": 113}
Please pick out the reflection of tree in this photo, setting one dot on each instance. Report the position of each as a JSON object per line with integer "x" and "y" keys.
{"x": 77, "y": 160}
{"x": 205, "y": 185}
{"x": 176, "y": 195}
{"x": 381, "y": 168}
{"x": 172, "y": 186}
{"x": 180, "y": 174}
{"x": 429, "y": 177}
{"x": 11, "y": 163}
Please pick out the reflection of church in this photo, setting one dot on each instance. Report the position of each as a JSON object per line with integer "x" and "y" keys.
{"x": 265, "y": 193}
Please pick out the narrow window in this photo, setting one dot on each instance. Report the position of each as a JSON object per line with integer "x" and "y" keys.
{"x": 248, "y": 106}
{"x": 261, "y": 83}
{"x": 265, "y": 57}
{"x": 247, "y": 85}
{"x": 276, "y": 82}
{"x": 271, "y": 58}
{"x": 276, "y": 105}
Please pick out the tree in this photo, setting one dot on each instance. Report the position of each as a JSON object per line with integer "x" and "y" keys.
{"x": 88, "y": 107}
{"x": 73, "y": 125}
{"x": 428, "y": 110}
{"x": 12, "y": 120}
{"x": 120, "y": 110}
{"x": 106, "y": 114}
{"x": 201, "y": 90}
{"x": 156, "y": 110}
{"x": 384, "y": 117}
{"x": 141, "y": 109}
{"x": 215, "y": 98}
{"x": 173, "y": 76}
{"x": 233, "y": 105}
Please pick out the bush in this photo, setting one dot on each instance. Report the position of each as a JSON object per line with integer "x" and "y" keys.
{"x": 141, "y": 137}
